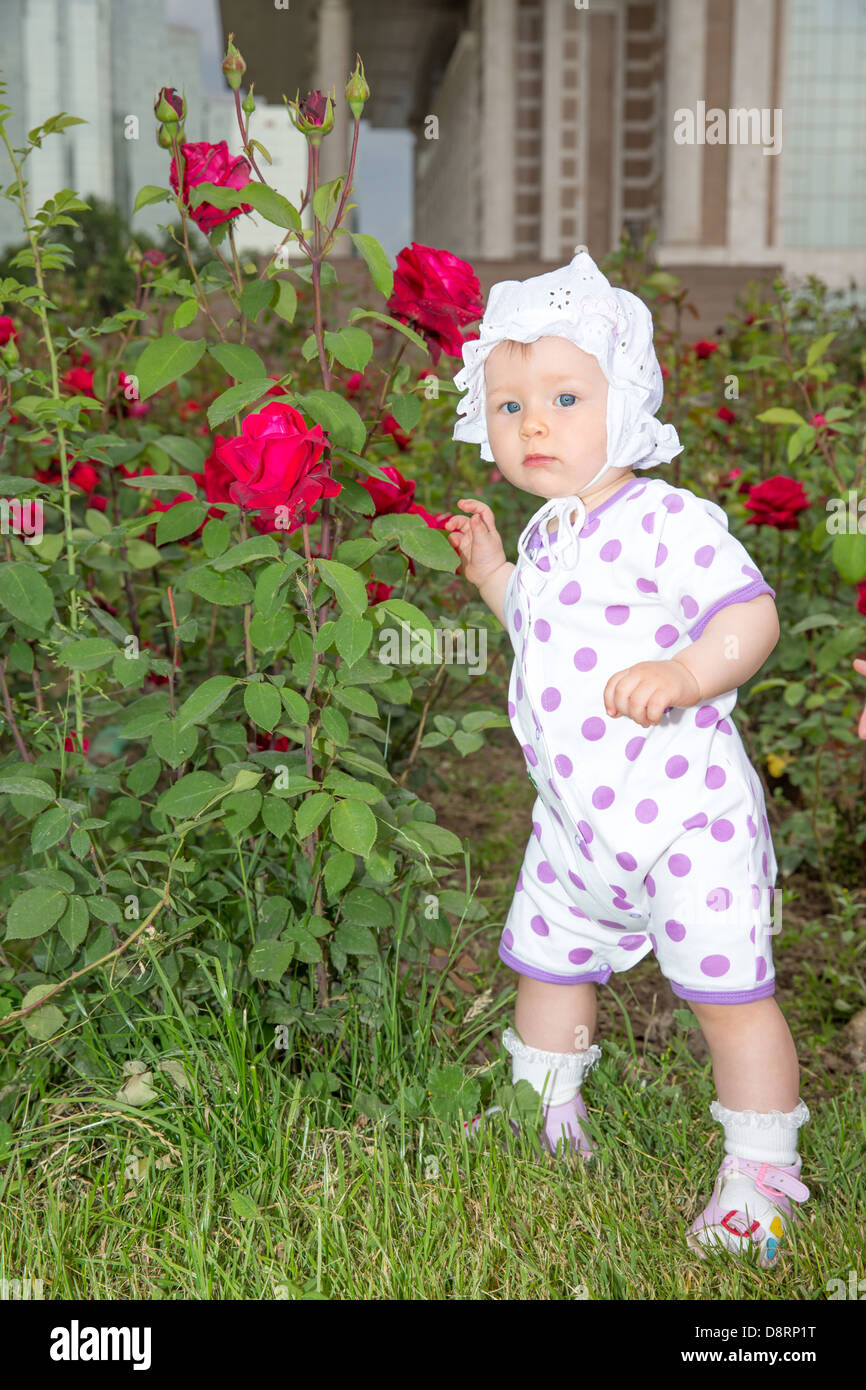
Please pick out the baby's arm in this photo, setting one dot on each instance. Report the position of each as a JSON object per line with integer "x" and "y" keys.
{"x": 732, "y": 647}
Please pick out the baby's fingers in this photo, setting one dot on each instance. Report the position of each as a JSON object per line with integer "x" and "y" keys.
{"x": 480, "y": 509}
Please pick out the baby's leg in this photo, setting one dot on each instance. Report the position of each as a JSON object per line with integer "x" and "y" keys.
{"x": 551, "y": 1049}
{"x": 555, "y": 1018}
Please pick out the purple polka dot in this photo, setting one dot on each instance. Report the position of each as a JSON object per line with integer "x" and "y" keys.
{"x": 719, "y": 899}
{"x": 689, "y": 606}
{"x": 766, "y": 826}
{"x": 536, "y": 830}
{"x": 752, "y": 573}
{"x": 646, "y": 811}
{"x": 666, "y": 635}
{"x": 519, "y": 882}
{"x": 507, "y": 939}
{"x": 544, "y": 564}
{"x": 592, "y": 728}
{"x": 714, "y": 966}
{"x": 752, "y": 936}
{"x": 695, "y": 822}
{"x": 756, "y": 895}
{"x": 617, "y": 614}
{"x": 571, "y": 592}
{"x": 587, "y": 854}
{"x": 578, "y": 882}
{"x": 764, "y": 865}
{"x": 604, "y": 922}
{"x": 580, "y": 955}
{"x": 512, "y": 710}
{"x": 545, "y": 872}
{"x": 631, "y": 943}
{"x": 648, "y": 523}
{"x": 655, "y": 944}
{"x": 647, "y": 586}
{"x": 715, "y": 777}
{"x": 542, "y": 629}
{"x": 724, "y": 727}
{"x": 602, "y": 797}
{"x": 586, "y": 831}
{"x": 519, "y": 688}
{"x": 626, "y": 860}
{"x": 552, "y": 785}
{"x": 650, "y": 885}
{"x": 722, "y": 830}
{"x": 661, "y": 555}
{"x": 707, "y": 714}
{"x": 556, "y": 816}
{"x": 539, "y": 926}
{"x": 673, "y": 502}
{"x": 622, "y": 905}
{"x": 610, "y": 550}
{"x": 518, "y": 620}
{"x": 704, "y": 556}
{"x": 634, "y": 746}
{"x": 550, "y": 698}
{"x": 676, "y": 766}
{"x": 530, "y": 754}
{"x": 679, "y": 865}
{"x": 675, "y": 930}
{"x": 585, "y": 659}
{"x": 563, "y": 765}
{"x": 760, "y": 969}
{"x": 576, "y": 912}
{"x": 753, "y": 829}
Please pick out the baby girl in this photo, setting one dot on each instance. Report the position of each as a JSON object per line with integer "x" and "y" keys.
{"x": 634, "y": 616}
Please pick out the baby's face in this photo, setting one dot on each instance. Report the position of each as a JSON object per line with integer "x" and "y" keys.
{"x": 546, "y": 415}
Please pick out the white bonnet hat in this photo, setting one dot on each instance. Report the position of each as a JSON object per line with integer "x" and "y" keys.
{"x": 577, "y": 302}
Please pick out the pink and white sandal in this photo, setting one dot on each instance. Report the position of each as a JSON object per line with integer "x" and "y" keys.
{"x": 750, "y": 1205}
{"x": 561, "y": 1123}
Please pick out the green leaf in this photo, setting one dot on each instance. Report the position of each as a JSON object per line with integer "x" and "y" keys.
{"x": 347, "y": 584}
{"x": 172, "y": 744}
{"x": 377, "y": 262}
{"x": 367, "y": 909}
{"x": 272, "y": 205}
{"x": 325, "y": 198}
{"x": 406, "y": 410}
{"x": 393, "y": 323}
{"x": 334, "y": 414}
{"x": 238, "y": 361}
{"x": 406, "y": 612}
{"x": 338, "y": 872}
{"x": 277, "y": 816}
{"x": 335, "y": 726}
{"x": 256, "y": 296}
{"x": 198, "y": 707}
{"x": 422, "y": 542}
{"x": 353, "y": 826}
{"x": 149, "y": 193}
{"x": 229, "y": 589}
{"x": 849, "y": 556}
{"x": 33, "y": 912}
{"x": 216, "y": 537}
{"x": 352, "y": 347}
{"x": 254, "y": 548}
{"x": 25, "y": 786}
{"x": 818, "y": 348}
{"x": 296, "y": 706}
{"x": 263, "y": 704}
{"x": 74, "y": 922}
{"x": 287, "y": 301}
{"x": 185, "y": 313}
{"x": 25, "y": 593}
{"x": 312, "y": 812}
{"x": 87, "y": 654}
{"x": 269, "y": 960}
{"x": 352, "y": 636}
{"x": 190, "y": 795}
{"x": 164, "y": 360}
{"x": 236, "y": 399}
{"x": 355, "y": 940}
{"x": 49, "y": 829}
{"x": 142, "y": 555}
{"x": 156, "y": 482}
{"x": 431, "y": 838}
{"x": 181, "y": 520}
{"x": 781, "y": 415}
{"x": 42, "y": 1023}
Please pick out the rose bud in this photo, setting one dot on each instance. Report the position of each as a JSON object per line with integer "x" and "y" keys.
{"x": 234, "y": 66}
{"x": 357, "y": 91}
{"x": 169, "y": 107}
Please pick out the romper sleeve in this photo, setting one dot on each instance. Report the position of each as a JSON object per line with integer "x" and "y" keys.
{"x": 699, "y": 566}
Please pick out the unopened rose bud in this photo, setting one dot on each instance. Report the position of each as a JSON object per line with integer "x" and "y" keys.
{"x": 248, "y": 105}
{"x": 169, "y": 107}
{"x": 314, "y": 116}
{"x": 165, "y": 134}
{"x": 234, "y": 66}
{"x": 357, "y": 91}
{"x": 133, "y": 255}
{"x": 153, "y": 258}
{"x": 9, "y": 352}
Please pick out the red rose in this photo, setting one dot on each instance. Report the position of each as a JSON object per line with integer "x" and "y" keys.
{"x": 391, "y": 426}
{"x": 217, "y": 479}
{"x": 70, "y": 741}
{"x": 776, "y": 502}
{"x": 378, "y": 592}
{"x": 750, "y": 318}
{"x": 861, "y": 597}
{"x": 437, "y": 294}
{"x": 277, "y": 390}
{"x": 153, "y": 258}
{"x": 97, "y": 502}
{"x": 703, "y": 348}
{"x": 206, "y": 163}
{"x": 437, "y": 522}
{"x": 355, "y": 383}
{"x": 665, "y": 372}
{"x": 85, "y": 476}
{"x": 393, "y": 497}
{"x": 269, "y": 743}
{"x": 7, "y": 329}
{"x": 79, "y": 380}
{"x": 725, "y": 413}
{"x": 276, "y": 462}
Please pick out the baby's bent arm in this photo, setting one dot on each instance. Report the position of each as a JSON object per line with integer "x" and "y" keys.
{"x": 732, "y": 647}
{"x": 493, "y": 590}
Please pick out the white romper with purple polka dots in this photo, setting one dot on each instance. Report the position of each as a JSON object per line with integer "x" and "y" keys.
{"x": 642, "y": 839}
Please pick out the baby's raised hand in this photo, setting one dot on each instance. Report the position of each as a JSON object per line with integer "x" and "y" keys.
{"x": 476, "y": 540}
{"x": 645, "y": 691}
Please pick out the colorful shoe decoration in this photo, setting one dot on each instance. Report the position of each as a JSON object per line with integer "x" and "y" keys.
{"x": 750, "y": 1206}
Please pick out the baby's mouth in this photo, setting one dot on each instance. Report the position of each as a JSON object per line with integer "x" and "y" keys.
{"x": 538, "y": 460}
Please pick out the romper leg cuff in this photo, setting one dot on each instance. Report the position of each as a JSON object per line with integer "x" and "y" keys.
{"x": 715, "y": 996}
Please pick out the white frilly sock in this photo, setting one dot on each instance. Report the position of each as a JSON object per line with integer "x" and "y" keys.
{"x": 556, "y": 1076}
{"x": 767, "y": 1136}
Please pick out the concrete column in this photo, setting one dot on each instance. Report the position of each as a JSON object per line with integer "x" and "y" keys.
{"x": 498, "y": 100}
{"x": 684, "y": 87}
{"x": 551, "y": 126}
{"x": 748, "y": 166}
{"x": 334, "y": 64}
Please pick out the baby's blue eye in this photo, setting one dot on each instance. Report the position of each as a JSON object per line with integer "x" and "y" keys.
{"x": 569, "y": 398}
{"x": 506, "y": 404}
